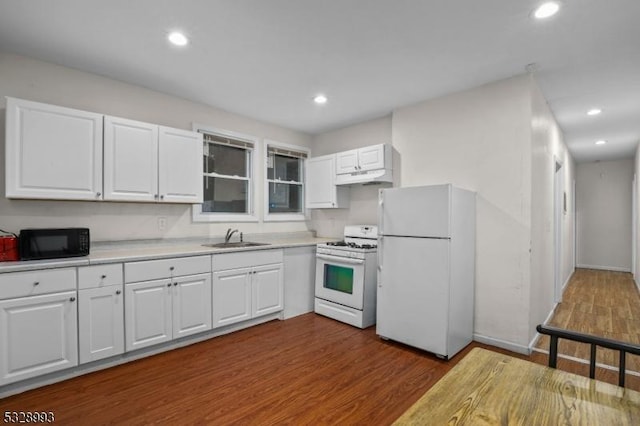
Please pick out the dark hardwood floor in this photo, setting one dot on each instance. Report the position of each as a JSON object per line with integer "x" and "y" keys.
{"x": 306, "y": 370}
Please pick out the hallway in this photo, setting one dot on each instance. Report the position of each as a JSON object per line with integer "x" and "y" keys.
{"x": 601, "y": 303}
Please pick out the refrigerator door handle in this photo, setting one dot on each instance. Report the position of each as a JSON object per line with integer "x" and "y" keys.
{"x": 381, "y": 213}
{"x": 379, "y": 254}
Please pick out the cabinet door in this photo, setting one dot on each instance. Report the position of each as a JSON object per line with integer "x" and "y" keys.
{"x": 147, "y": 313}
{"x": 371, "y": 157}
{"x": 191, "y": 305}
{"x": 180, "y": 166}
{"x": 130, "y": 160}
{"x": 321, "y": 191}
{"x": 347, "y": 161}
{"x": 231, "y": 296}
{"x": 101, "y": 326}
{"x": 52, "y": 152}
{"x": 267, "y": 288}
{"x": 38, "y": 335}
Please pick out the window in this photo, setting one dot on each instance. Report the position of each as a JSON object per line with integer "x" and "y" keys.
{"x": 284, "y": 188}
{"x": 227, "y": 178}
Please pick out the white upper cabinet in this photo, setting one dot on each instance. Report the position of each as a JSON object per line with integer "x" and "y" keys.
{"x": 322, "y": 191}
{"x": 130, "y": 160}
{"x": 180, "y": 166}
{"x": 371, "y": 157}
{"x": 52, "y": 152}
{"x": 364, "y": 165}
{"x": 367, "y": 158}
{"x": 146, "y": 162}
{"x": 347, "y": 161}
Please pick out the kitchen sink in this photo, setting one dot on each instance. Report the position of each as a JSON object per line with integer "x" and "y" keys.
{"x": 236, "y": 244}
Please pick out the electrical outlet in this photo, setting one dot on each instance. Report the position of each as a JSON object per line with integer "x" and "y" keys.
{"x": 162, "y": 223}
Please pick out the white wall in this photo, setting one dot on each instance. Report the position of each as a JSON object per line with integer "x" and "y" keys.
{"x": 45, "y": 82}
{"x": 480, "y": 140}
{"x": 637, "y": 199}
{"x": 604, "y": 214}
{"x": 548, "y": 147}
{"x": 363, "y": 204}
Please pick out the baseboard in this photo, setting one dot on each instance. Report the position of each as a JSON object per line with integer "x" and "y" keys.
{"x": 564, "y": 286}
{"x": 510, "y": 346}
{"x": 537, "y": 336}
{"x": 605, "y": 268}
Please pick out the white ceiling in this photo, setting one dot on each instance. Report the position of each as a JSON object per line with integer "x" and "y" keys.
{"x": 266, "y": 59}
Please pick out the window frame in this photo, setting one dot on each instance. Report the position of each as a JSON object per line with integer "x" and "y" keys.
{"x": 197, "y": 215}
{"x": 284, "y": 217}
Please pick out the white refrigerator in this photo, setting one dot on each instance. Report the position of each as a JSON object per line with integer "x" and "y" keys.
{"x": 426, "y": 267}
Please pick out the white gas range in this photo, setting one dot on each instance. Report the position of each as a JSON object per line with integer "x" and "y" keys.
{"x": 346, "y": 277}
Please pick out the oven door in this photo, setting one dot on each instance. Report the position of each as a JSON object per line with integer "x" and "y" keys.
{"x": 340, "y": 280}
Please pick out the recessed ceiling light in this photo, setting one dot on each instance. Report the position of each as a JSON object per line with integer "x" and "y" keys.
{"x": 602, "y": 142}
{"x": 546, "y": 10}
{"x": 320, "y": 99}
{"x": 594, "y": 111}
{"x": 178, "y": 38}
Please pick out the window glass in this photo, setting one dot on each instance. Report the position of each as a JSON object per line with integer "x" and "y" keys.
{"x": 227, "y": 179}
{"x": 284, "y": 168}
{"x": 225, "y": 160}
{"x": 284, "y": 186}
{"x": 223, "y": 195}
{"x": 285, "y": 198}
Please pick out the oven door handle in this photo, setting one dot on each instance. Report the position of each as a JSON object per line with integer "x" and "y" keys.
{"x": 339, "y": 259}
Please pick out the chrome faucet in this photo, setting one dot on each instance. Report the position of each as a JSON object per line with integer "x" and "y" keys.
{"x": 229, "y": 234}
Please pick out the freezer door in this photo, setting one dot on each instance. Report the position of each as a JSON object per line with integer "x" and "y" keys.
{"x": 421, "y": 211}
{"x": 413, "y": 292}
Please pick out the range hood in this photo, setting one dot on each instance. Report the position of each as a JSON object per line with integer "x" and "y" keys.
{"x": 365, "y": 176}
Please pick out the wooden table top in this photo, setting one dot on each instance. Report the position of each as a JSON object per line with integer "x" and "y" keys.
{"x": 488, "y": 388}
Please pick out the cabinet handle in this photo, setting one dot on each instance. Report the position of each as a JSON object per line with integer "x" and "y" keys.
{"x": 103, "y": 277}
{"x": 169, "y": 285}
{"x": 175, "y": 284}
{"x": 118, "y": 292}
{"x": 162, "y": 197}
{"x": 98, "y": 194}
{"x": 155, "y": 196}
{"x": 171, "y": 268}
{"x": 73, "y": 299}
{"x": 36, "y": 283}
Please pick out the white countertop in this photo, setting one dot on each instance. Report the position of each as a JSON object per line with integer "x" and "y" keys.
{"x": 128, "y": 251}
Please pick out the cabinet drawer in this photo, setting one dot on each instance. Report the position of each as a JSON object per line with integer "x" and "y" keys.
{"x": 165, "y": 268}
{"x": 99, "y": 276}
{"x": 31, "y": 283}
{"x": 247, "y": 259}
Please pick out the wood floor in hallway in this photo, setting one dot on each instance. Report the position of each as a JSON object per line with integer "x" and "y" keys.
{"x": 601, "y": 303}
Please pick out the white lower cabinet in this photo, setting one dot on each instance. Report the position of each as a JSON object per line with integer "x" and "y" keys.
{"x": 191, "y": 311}
{"x": 100, "y": 312}
{"x": 148, "y": 313}
{"x": 246, "y": 285}
{"x": 231, "y": 296}
{"x": 38, "y": 335}
{"x": 160, "y": 310}
{"x": 101, "y": 327}
{"x": 267, "y": 289}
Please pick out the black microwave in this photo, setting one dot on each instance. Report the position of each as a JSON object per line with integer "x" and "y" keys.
{"x": 48, "y": 243}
